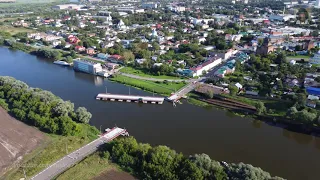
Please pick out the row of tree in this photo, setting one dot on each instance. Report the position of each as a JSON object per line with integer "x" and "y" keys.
{"x": 161, "y": 162}
{"x": 41, "y": 108}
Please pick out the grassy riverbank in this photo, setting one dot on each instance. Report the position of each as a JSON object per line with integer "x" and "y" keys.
{"x": 53, "y": 149}
{"x": 156, "y": 87}
{"x": 142, "y": 73}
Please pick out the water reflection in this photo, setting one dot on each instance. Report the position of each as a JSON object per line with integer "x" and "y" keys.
{"x": 297, "y": 137}
{"x": 96, "y": 80}
{"x": 256, "y": 124}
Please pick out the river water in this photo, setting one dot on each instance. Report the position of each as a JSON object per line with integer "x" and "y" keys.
{"x": 187, "y": 128}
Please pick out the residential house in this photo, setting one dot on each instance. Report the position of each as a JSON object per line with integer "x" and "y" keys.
{"x": 79, "y": 48}
{"x": 103, "y": 56}
{"x": 90, "y": 51}
{"x": 116, "y": 59}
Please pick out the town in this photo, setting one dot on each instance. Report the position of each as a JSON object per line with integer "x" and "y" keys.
{"x": 258, "y": 59}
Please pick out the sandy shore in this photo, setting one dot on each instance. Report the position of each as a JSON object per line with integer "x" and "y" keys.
{"x": 16, "y": 140}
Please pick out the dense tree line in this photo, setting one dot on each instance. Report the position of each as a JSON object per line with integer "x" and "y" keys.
{"x": 48, "y": 53}
{"x": 161, "y": 162}
{"x": 41, "y": 108}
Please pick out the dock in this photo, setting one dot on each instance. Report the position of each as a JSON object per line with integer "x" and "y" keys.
{"x": 130, "y": 98}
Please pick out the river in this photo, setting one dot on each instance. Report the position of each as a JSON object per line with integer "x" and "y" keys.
{"x": 187, "y": 128}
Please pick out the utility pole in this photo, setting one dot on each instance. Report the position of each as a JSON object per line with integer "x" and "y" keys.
{"x": 129, "y": 91}
{"x": 106, "y": 90}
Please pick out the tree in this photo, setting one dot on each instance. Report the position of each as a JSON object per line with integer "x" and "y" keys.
{"x": 73, "y": 54}
{"x": 83, "y": 115}
{"x": 210, "y": 169}
{"x": 317, "y": 79}
{"x": 233, "y": 90}
{"x": 69, "y": 59}
{"x": 292, "y": 111}
{"x": 246, "y": 171}
{"x": 304, "y": 117}
{"x": 128, "y": 56}
{"x": 261, "y": 109}
{"x": 301, "y": 100}
{"x": 209, "y": 94}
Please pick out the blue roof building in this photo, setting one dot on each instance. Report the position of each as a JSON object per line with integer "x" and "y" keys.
{"x": 313, "y": 91}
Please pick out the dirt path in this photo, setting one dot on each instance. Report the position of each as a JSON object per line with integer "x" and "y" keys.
{"x": 16, "y": 140}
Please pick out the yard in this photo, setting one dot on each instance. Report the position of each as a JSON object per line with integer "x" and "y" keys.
{"x": 156, "y": 87}
{"x": 142, "y": 73}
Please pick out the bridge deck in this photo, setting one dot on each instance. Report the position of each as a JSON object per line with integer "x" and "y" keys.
{"x": 76, "y": 156}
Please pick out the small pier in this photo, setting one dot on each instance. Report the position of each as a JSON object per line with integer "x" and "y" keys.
{"x": 130, "y": 98}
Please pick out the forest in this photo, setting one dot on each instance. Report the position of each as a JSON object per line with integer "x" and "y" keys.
{"x": 41, "y": 108}
{"x": 161, "y": 162}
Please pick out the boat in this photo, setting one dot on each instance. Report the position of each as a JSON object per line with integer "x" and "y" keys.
{"x": 63, "y": 63}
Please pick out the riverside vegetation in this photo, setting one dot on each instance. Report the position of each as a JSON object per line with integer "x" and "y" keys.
{"x": 65, "y": 126}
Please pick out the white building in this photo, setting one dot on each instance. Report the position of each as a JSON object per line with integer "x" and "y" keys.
{"x": 317, "y": 3}
{"x": 206, "y": 66}
{"x": 149, "y": 5}
{"x": 68, "y": 6}
{"x": 121, "y": 25}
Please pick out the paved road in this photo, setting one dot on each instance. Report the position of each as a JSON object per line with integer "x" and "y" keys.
{"x": 153, "y": 79}
{"x": 186, "y": 89}
{"x": 67, "y": 161}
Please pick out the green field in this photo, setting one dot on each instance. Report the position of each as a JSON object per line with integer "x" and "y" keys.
{"x": 279, "y": 107}
{"x": 159, "y": 88}
{"x": 52, "y": 150}
{"x": 141, "y": 73}
{"x": 299, "y": 57}
{"x": 23, "y": 2}
{"x": 14, "y": 30}
{"x": 88, "y": 168}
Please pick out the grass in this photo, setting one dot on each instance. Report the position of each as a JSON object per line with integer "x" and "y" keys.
{"x": 193, "y": 99}
{"x": 14, "y": 30}
{"x": 279, "y": 107}
{"x": 53, "y": 149}
{"x": 142, "y": 73}
{"x": 88, "y": 168}
{"x": 159, "y": 88}
{"x": 23, "y": 2}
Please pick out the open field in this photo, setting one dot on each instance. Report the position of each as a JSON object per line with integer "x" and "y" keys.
{"x": 94, "y": 167}
{"x": 22, "y": 2}
{"x": 159, "y": 88}
{"x": 14, "y": 30}
{"x": 141, "y": 73}
{"x": 55, "y": 148}
{"x": 16, "y": 140}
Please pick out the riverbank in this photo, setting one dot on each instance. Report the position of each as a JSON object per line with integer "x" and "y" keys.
{"x": 162, "y": 88}
{"x": 275, "y": 114}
